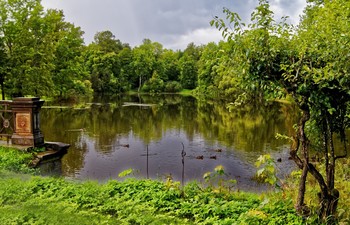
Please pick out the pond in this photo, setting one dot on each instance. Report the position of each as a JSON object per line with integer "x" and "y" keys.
{"x": 148, "y": 134}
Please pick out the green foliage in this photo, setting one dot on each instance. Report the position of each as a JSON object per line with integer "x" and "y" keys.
{"x": 15, "y": 160}
{"x": 42, "y": 50}
{"x": 126, "y": 173}
{"x": 40, "y": 200}
{"x": 146, "y": 62}
{"x": 172, "y": 87}
{"x": 47, "y": 200}
{"x": 208, "y": 70}
{"x": 36, "y": 149}
{"x": 217, "y": 180}
{"x": 256, "y": 51}
{"x": 188, "y": 67}
{"x": 342, "y": 183}
{"x": 169, "y": 60}
{"x": 307, "y": 63}
{"x": 266, "y": 170}
{"x": 154, "y": 85}
{"x": 106, "y": 42}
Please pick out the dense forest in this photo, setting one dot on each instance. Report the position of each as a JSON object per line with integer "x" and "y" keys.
{"x": 41, "y": 54}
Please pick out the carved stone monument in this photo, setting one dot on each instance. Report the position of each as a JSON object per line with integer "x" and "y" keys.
{"x": 27, "y": 122}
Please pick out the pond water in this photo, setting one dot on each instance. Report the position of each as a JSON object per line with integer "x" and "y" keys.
{"x": 148, "y": 134}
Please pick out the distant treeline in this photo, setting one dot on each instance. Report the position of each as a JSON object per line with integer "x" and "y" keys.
{"x": 41, "y": 54}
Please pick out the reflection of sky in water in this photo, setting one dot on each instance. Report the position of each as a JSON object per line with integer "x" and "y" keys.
{"x": 98, "y": 138}
{"x": 164, "y": 158}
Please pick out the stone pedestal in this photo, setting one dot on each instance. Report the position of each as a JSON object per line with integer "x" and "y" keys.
{"x": 27, "y": 122}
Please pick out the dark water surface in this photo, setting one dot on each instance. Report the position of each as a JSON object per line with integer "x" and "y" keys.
{"x": 109, "y": 136}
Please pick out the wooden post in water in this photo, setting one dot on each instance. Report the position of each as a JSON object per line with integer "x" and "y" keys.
{"x": 27, "y": 122}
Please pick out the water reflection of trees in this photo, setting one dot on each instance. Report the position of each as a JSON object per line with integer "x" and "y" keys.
{"x": 248, "y": 128}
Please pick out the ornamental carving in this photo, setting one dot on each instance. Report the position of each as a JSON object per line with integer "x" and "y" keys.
{"x": 23, "y": 124}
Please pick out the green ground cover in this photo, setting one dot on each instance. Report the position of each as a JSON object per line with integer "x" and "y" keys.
{"x": 30, "y": 199}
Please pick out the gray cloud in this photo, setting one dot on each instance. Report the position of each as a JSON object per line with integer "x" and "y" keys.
{"x": 170, "y": 22}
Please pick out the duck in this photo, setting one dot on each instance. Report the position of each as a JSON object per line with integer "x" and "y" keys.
{"x": 200, "y": 157}
{"x": 213, "y": 157}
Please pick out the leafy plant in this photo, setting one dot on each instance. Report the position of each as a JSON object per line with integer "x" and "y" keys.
{"x": 45, "y": 200}
{"x": 266, "y": 170}
{"x": 307, "y": 64}
{"x": 126, "y": 173}
{"x": 15, "y": 160}
{"x": 217, "y": 181}
{"x": 36, "y": 149}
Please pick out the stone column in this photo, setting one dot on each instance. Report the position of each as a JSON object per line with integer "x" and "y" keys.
{"x": 27, "y": 122}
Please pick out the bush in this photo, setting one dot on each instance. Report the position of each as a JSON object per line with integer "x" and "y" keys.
{"x": 172, "y": 87}
{"x": 154, "y": 85}
{"x": 15, "y": 160}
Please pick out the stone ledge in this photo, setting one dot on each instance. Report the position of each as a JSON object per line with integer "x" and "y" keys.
{"x": 54, "y": 150}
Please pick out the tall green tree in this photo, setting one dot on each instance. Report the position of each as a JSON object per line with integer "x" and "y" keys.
{"x": 126, "y": 70}
{"x": 108, "y": 62}
{"x": 146, "y": 62}
{"x": 106, "y": 42}
{"x": 318, "y": 75}
{"x": 188, "y": 65}
{"x": 207, "y": 70}
{"x": 69, "y": 75}
{"x": 311, "y": 65}
{"x": 104, "y": 73}
{"x": 42, "y": 50}
{"x": 170, "y": 61}
{"x": 28, "y": 47}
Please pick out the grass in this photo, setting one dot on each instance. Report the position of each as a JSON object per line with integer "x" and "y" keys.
{"x": 186, "y": 92}
{"x": 40, "y": 200}
{"x": 29, "y": 199}
{"x": 15, "y": 160}
{"x": 342, "y": 184}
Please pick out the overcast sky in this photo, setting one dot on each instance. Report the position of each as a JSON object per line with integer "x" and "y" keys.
{"x": 173, "y": 23}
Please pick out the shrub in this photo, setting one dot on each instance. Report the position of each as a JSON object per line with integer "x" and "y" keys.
{"x": 155, "y": 85}
{"x": 172, "y": 87}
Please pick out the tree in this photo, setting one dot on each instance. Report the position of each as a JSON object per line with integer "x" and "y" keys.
{"x": 69, "y": 75}
{"x": 310, "y": 64}
{"x": 42, "y": 51}
{"x": 109, "y": 63}
{"x": 188, "y": 66}
{"x": 319, "y": 77}
{"x": 207, "y": 69}
{"x": 106, "y": 42}
{"x": 28, "y": 48}
{"x": 104, "y": 73}
{"x": 3, "y": 67}
{"x": 146, "y": 61}
{"x": 126, "y": 69}
{"x": 170, "y": 60}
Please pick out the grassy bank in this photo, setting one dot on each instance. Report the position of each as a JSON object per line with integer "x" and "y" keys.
{"x": 38, "y": 200}
{"x": 30, "y": 199}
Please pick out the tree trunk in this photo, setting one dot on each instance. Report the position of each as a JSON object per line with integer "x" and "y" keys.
{"x": 3, "y": 91}
{"x": 328, "y": 197}
{"x": 2, "y": 79}
{"x": 328, "y": 207}
{"x": 300, "y": 206}
{"x": 140, "y": 83}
